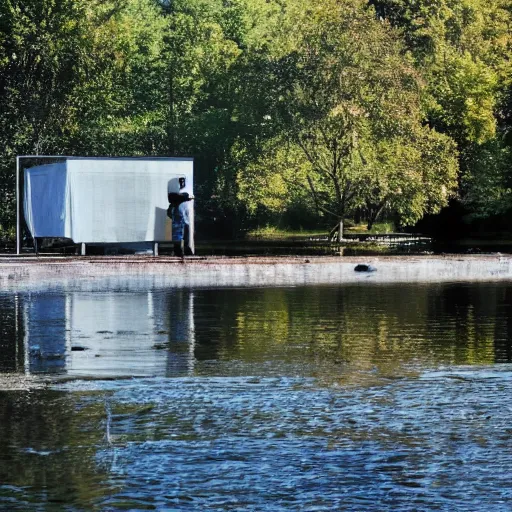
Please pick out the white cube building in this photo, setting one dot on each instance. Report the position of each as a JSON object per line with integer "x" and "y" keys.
{"x": 104, "y": 200}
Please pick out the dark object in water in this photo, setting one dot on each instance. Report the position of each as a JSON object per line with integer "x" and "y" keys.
{"x": 364, "y": 268}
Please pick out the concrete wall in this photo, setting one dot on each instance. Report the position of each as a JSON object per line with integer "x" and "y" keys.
{"x": 134, "y": 272}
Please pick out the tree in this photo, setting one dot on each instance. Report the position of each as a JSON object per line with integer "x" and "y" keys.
{"x": 350, "y": 103}
{"x": 463, "y": 48}
{"x": 216, "y": 65}
{"x": 119, "y": 99}
{"x": 76, "y": 77}
{"x": 36, "y": 72}
{"x": 412, "y": 176}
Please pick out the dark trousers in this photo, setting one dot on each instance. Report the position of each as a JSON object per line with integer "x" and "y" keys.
{"x": 182, "y": 248}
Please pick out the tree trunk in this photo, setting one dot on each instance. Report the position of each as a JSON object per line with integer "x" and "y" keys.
{"x": 374, "y": 214}
{"x": 336, "y": 233}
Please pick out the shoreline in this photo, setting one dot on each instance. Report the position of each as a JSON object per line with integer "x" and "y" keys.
{"x": 135, "y": 272}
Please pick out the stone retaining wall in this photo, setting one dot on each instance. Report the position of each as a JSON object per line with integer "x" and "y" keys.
{"x": 162, "y": 272}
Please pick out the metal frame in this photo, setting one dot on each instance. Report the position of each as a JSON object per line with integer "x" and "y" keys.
{"x": 18, "y": 212}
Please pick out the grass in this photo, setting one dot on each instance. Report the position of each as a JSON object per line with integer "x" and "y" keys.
{"x": 377, "y": 228}
{"x": 275, "y": 233}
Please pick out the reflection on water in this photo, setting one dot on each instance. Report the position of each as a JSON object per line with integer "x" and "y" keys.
{"x": 355, "y": 398}
{"x": 99, "y": 334}
{"x": 182, "y": 332}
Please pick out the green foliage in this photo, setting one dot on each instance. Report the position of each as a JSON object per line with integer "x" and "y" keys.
{"x": 351, "y": 132}
{"x": 411, "y": 175}
{"x": 119, "y": 102}
{"x": 289, "y": 107}
{"x": 38, "y": 54}
{"x": 76, "y": 77}
{"x": 463, "y": 48}
{"x": 488, "y": 188}
{"x": 276, "y": 180}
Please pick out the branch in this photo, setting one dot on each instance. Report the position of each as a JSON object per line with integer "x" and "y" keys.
{"x": 306, "y": 152}
{"x": 342, "y": 153}
{"x": 348, "y": 196}
{"x": 314, "y": 162}
{"x": 337, "y": 189}
{"x": 380, "y": 209}
{"x": 316, "y": 200}
{"x": 362, "y": 157}
{"x": 375, "y": 215}
{"x": 324, "y": 136}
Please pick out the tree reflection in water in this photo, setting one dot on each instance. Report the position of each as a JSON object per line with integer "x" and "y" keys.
{"x": 167, "y": 332}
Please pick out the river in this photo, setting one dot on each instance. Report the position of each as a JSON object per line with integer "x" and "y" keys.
{"x": 357, "y": 397}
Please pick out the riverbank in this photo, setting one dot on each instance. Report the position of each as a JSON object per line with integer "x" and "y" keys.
{"x": 29, "y": 272}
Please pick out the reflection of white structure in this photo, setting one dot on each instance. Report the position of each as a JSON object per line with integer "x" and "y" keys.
{"x": 180, "y": 324}
{"x": 46, "y": 332}
{"x": 109, "y": 334}
{"x": 103, "y": 200}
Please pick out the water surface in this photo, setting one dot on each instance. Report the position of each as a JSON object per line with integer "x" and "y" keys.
{"x": 360, "y": 397}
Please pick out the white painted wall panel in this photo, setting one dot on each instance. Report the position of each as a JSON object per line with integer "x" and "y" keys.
{"x": 102, "y": 200}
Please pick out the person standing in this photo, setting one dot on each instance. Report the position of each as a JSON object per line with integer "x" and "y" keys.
{"x": 181, "y": 213}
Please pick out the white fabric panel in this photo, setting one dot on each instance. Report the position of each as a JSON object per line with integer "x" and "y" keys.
{"x": 95, "y": 200}
{"x": 46, "y": 199}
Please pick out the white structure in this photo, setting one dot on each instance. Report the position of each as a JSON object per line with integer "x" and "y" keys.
{"x": 103, "y": 200}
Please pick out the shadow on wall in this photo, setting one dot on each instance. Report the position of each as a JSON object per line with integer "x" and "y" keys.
{"x": 163, "y": 224}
